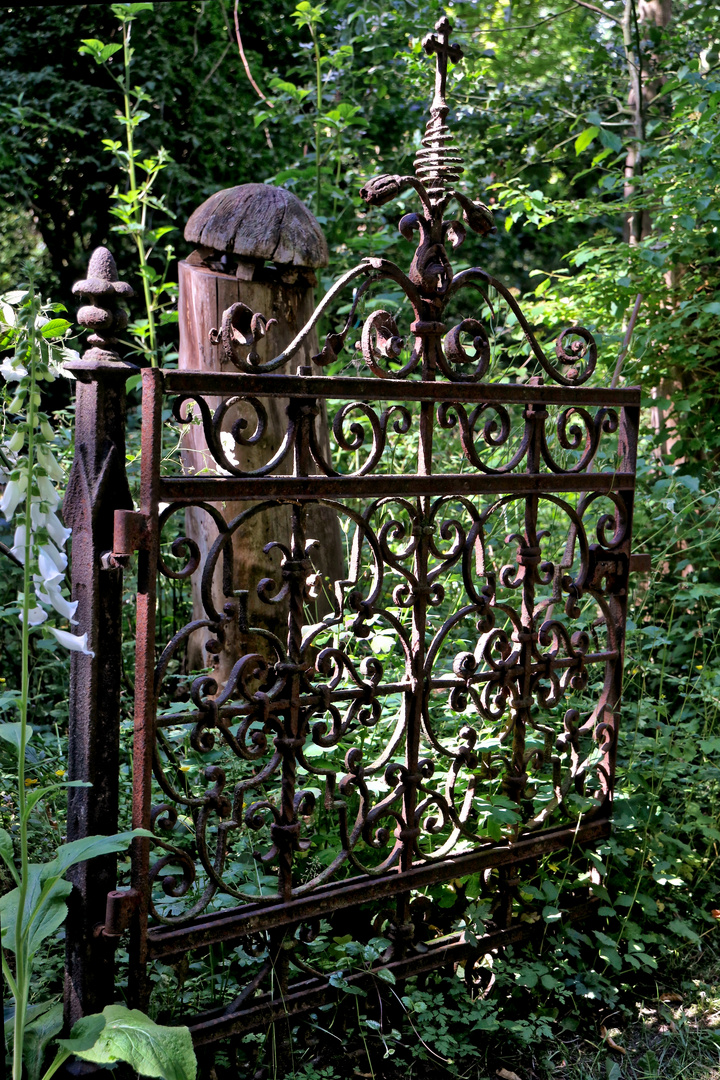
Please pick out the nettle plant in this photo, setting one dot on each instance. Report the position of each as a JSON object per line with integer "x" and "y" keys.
{"x": 32, "y": 337}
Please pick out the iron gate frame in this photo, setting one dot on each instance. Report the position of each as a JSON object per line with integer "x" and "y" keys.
{"x": 447, "y": 394}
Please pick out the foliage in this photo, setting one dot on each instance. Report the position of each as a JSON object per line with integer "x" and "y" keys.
{"x": 35, "y": 908}
{"x": 134, "y": 205}
{"x": 542, "y": 119}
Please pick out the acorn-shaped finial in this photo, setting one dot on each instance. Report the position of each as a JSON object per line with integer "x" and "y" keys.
{"x": 102, "y": 316}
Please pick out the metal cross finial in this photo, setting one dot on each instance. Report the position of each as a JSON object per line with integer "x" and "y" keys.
{"x": 444, "y": 51}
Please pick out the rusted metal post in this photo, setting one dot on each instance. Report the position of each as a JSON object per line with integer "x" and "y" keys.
{"x": 97, "y": 487}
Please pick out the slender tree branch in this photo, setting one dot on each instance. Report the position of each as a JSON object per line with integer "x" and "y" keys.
{"x": 626, "y": 342}
{"x": 252, "y": 82}
{"x": 5, "y": 550}
{"x": 530, "y": 26}
{"x": 599, "y": 11}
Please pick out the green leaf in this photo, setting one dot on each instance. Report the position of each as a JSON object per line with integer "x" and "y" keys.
{"x": 610, "y": 140}
{"x": 12, "y": 733}
{"x": 128, "y": 1035}
{"x": 7, "y": 853}
{"x": 85, "y": 1033}
{"x": 108, "y": 51}
{"x": 90, "y": 847}
{"x": 683, "y": 930}
{"x": 41, "y": 917}
{"x": 551, "y": 914}
{"x": 585, "y": 138}
{"x": 386, "y": 975}
{"x": 37, "y": 1036}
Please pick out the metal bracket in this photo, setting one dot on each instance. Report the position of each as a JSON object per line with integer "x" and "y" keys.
{"x": 119, "y": 909}
{"x": 130, "y": 533}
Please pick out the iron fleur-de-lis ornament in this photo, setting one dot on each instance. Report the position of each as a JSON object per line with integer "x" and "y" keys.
{"x": 438, "y": 167}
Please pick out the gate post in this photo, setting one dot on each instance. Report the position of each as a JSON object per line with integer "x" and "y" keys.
{"x": 96, "y": 488}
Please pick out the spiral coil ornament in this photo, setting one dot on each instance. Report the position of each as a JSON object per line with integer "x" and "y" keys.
{"x": 439, "y": 164}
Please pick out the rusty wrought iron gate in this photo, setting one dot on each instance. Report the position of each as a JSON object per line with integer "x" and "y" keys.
{"x": 455, "y": 714}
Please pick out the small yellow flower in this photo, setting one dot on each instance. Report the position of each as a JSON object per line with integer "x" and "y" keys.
{"x": 184, "y": 768}
{"x": 698, "y": 667}
{"x": 29, "y": 783}
{"x": 60, "y": 772}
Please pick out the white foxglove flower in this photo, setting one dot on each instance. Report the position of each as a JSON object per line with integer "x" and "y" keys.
{"x": 50, "y": 464}
{"x": 74, "y": 642}
{"x": 18, "y": 548}
{"x": 36, "y": 616}
{"x": 58, "y": 557}
{"x": 13, "y": 494}
{"x": 49, "y": 572}
{"x": 51, "y": 595}
{"x": 17, "y": 442}
{"x": 56, "y": 530}
{"x": 48, "y": 493}
{"x": 12, "y": 372}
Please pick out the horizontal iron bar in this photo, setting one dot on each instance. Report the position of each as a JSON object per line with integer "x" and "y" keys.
{"x": 237, "y": 922}
{"x": 188, "y": 489}
{"x": 337, "y": 387}
{"x": 355, "y": 693}
{"x": 310, "y": 993}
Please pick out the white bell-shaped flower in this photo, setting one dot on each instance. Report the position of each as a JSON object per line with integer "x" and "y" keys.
{"x": 74, "y": 642}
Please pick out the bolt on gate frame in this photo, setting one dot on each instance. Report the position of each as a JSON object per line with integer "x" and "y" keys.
{"x": 455, "y": 713}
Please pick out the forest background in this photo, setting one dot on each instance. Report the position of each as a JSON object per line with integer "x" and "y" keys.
{"x": 592, "y": 131}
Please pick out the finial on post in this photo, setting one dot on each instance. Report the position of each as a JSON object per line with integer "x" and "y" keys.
{"x": 102, "y": 315}
{"x": 438, "y": 168}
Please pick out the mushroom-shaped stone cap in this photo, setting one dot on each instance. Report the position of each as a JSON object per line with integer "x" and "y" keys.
{"x": 102, "y": 279}
{"x": 258, "y": 221}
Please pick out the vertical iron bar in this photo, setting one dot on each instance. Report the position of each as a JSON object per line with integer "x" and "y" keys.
{"x": 145, "y": 696}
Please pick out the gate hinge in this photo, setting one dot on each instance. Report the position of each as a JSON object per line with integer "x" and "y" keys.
{"x": 119, "y": 909}
{"x": 130, "y": 533}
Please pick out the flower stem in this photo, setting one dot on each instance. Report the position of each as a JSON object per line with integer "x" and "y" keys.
{"x": 22, "y": 972}
{"x": 318, "y": 94}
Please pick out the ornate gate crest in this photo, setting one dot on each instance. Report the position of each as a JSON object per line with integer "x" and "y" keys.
{"x": 455, "y": 714}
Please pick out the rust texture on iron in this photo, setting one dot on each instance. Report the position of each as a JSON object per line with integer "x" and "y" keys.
{"x": 455, "y": 713}
{"x": 97, "y": 487}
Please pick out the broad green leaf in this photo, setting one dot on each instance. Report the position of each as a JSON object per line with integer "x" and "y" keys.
{"x": 90, "y": 847}
{"x": 585, "y": 138}
{"x": 33, "y": 797}
{"x": 612, "y": 956}
{"x": 610, "y": 140}
{"x": 84, "y": 1034}
{"x": 109, "y": 50}
{"x": 54, "y": 328}
{"x": 551, "y": 914}
{"x": 7, "y": 852}
{"x": 683, "y": 930}
{"x": 37, "y": 1036}
{"x": 12, "y": 733}
{"x": 152, "y": 1050}
{"x": 42, "y": 914}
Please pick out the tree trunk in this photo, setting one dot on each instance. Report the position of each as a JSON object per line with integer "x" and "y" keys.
{"x": 204, "y": 295}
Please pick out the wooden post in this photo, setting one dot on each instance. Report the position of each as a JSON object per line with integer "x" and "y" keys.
{"x": 258, "y": 245}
